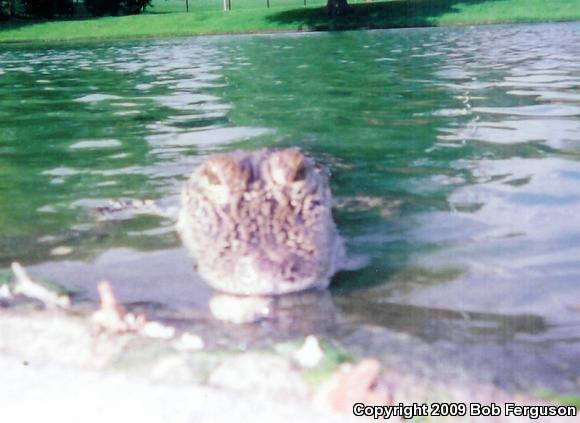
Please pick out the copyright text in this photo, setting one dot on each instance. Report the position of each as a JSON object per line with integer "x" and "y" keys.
{"x": 440, "y": 409}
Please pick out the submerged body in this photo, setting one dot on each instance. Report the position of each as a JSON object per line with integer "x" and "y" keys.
{"x": 260, "y": 223}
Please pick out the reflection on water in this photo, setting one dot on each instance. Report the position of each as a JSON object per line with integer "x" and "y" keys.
{"x": 454, "y": 157}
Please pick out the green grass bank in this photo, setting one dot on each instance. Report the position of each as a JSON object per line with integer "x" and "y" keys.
{"x": 169, "y": 18}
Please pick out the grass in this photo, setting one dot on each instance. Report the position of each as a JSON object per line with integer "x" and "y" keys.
{"x": 573, "y": 400}
{"x": 168, "y": 18}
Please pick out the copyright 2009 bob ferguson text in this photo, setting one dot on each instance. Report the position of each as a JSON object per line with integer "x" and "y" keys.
{"x": 460, "y": 409}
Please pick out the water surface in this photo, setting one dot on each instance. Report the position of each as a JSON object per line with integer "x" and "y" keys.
{"x": 454, "y": 158}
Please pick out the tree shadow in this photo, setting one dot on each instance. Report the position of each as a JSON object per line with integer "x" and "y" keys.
{"x": 81, "y": 13}
{"x": 20, "y": 22}
{"x": 388, "y": 14}
{"x": 9, "y": 24}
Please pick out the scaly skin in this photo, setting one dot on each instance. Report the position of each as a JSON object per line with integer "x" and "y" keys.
{"x": 260, "y": 223}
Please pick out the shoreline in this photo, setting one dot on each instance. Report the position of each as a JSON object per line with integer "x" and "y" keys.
{"x": 64, "y": 349}
{"x": 163, "y": 21}
{"x": 167, "y": 36}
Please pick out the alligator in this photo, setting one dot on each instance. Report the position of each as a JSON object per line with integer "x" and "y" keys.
{"x": 260, "y": 223}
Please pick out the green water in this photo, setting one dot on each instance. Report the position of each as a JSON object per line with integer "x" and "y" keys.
{"x": 454, "y": 158}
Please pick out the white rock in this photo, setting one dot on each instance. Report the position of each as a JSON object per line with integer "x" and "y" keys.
{"x": 269, "y": 376}
{"x": 157, "y": 330}
{"x": 229, "y": 308}
{"x": 310, "y": 354}
{"x": 189, "y": 342}
{"x": 62, "y": 250}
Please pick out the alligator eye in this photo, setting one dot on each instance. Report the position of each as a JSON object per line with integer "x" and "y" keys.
{"x": 287, "y": 166}
{"x": 226, "y": 171}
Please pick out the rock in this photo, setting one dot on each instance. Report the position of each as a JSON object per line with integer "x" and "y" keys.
{"x": 49, "y": 296}
{"x": 157, "y": 330}
{"x": 352, "y": 384}
{"x": 189, "y": 342}
{"x": 174, "y": 368}
{"x": 111, "y": 317}
{"x": 265, "y": 375}
{"x": 310, "y": 354}
{"x": 61, "y": 250}
{"x": 233, "y": 309}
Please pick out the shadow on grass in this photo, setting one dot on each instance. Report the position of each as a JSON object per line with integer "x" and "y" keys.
{"x": 20, "y": 22}
{"x": 6, "y": 25}
{"x": 388, "y": 14}
{"x": 80, "y": 14}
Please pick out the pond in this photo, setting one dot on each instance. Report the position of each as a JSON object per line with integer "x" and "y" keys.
{"x": 454, "y": 155}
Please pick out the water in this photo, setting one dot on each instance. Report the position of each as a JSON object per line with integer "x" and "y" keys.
{"x": 454, "y": 157}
